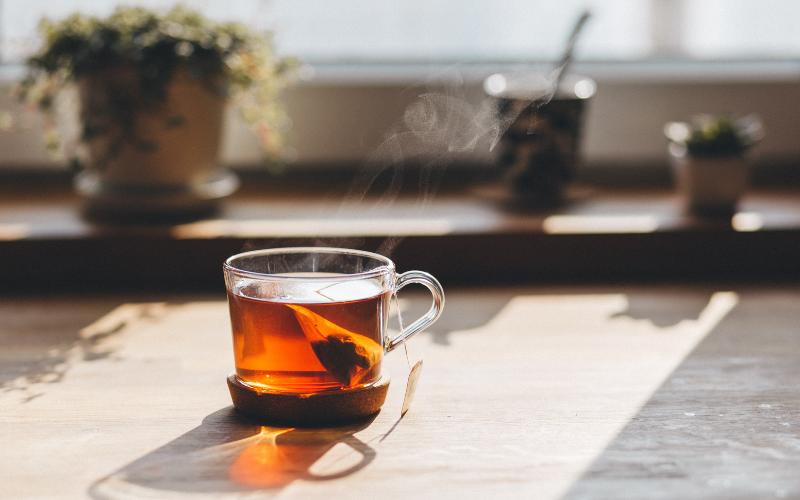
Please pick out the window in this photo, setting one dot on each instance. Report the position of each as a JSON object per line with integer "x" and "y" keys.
{"x": 643, "y": 52}
{"x": 326, "y": 31}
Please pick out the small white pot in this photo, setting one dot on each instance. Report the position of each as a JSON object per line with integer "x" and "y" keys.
{"x": 709, "y": 184}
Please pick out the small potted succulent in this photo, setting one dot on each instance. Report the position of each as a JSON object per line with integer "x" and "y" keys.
{"x": 710, "y": 160}
{"x": 152, "y": 89}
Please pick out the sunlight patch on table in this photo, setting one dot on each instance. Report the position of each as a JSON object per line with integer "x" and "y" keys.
{"x": 14, "y": 231}
{"x": 295, "y": 228}
{"x": 582, "y": 369}
{"x": 746, "y": 222}
{"x": 600, "y": 224}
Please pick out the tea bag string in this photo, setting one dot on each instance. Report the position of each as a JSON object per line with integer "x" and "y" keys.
{"x": 400, "y": 322}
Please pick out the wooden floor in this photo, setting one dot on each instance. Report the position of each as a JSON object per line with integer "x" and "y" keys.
{"x": 598, "y": 392}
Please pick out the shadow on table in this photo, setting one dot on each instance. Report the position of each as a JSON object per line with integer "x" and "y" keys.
{"x": 472, "y": 310}
{"x": 724, "y": 424}
{"x": 44, "y": 337}
{"x": 228, "y": 453}
{"x": 662, "y": 313}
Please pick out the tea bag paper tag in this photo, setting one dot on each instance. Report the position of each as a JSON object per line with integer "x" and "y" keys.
{"x": 411, "y": 387}
{"x": 413, "y": 375}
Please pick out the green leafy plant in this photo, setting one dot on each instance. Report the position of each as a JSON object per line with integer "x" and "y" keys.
{"x": 228, "y": 58}
{"x": 714, "y": 136}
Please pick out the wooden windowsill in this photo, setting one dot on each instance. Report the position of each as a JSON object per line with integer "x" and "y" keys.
{"x": 465, "y": 234}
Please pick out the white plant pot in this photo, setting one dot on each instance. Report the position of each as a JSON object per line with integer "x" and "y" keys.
{"x": 167, "y": 163}
{"x": 709, "y": 185}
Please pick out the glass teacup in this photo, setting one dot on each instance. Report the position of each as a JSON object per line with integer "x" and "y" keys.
{"x": 311, "y": 320}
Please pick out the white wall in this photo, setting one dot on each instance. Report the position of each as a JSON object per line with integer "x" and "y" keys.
{"x": 338, "y": 122}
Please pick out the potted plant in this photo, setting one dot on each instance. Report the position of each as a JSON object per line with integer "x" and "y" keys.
{"x": 152, "y": 90}
{"x": 710, "y": 161}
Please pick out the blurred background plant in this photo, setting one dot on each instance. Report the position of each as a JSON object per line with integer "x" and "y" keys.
{"x": 715, "y": 136}
{"x": 228, "y": 58}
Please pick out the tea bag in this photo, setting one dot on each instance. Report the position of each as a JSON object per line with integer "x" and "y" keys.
{"x": 346, "y": 355}
{"x": 414, "y": 371}
{"x": 411, "y": 387}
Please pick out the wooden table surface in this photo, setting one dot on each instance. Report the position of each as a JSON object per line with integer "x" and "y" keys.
{"x": 601, "y": 392}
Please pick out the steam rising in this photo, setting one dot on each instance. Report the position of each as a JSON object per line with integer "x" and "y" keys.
{"x": 437, "y": 128}
{"x": 441, "y": 125}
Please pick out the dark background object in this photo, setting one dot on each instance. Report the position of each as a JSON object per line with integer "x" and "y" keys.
{"x": 540, "y": 150}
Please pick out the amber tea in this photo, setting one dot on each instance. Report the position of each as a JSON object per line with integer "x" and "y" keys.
{"x": 309, "y": 336}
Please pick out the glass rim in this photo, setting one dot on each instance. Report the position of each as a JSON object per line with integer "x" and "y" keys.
{"x": 518, "y": 91}
{"x": 386, "y": 268}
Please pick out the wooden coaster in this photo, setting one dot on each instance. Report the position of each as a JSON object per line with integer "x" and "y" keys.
{"x": 309, "y": 410}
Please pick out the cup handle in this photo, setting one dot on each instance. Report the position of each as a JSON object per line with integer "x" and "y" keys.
{"x": 362, "y": 448}
{"x": 433, "y": 313}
